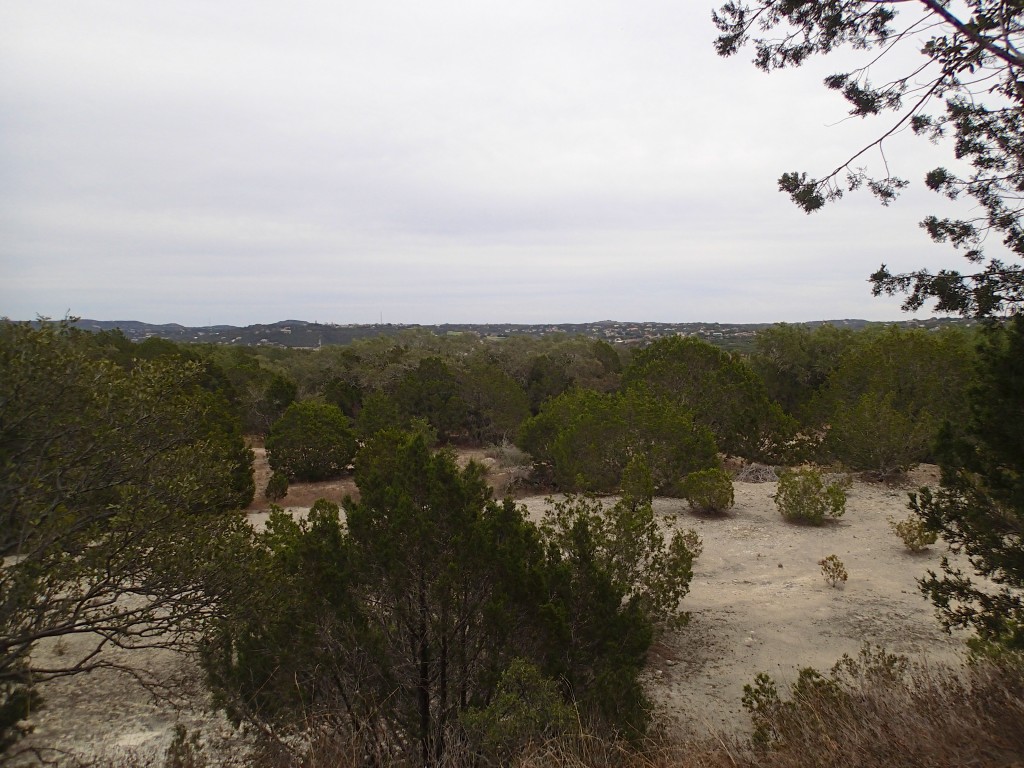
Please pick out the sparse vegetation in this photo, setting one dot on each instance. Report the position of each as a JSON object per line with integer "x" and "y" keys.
{"x": 320, "y": 633}
{"x": 879, "y": 710}
{"x": 507, "y": 455}
{"x": 833, "y": 571}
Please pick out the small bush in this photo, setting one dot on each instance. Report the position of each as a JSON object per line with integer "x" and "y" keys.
{"x": 508, "y": 455}
{"x": 804, "y": 496}
{"x": 527, "y": 708}
{"x": 833, "y": 570}
{"x": 277, "y": 487}
{"x": 709, "y": 490}
{"x": 913, "y": 533}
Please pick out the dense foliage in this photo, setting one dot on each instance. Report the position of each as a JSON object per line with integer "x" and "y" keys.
{"x": 116, "y": 481}
{"x": 873, "y": 401}
{"x": 588, "y": 439}
{"x": 721, "y": 391}
{"x": 795, "y": 361}
{"x": 431, "y": 391}
{"x": 979, "y": 508}
{"x": 391, "y": 628}
{"x": 311, "y": 441}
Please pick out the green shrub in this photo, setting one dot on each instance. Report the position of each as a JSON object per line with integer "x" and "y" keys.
{"x": 914, "y": 534}
{"x": 833, "y": 570}
{"x": 589, "y": 437}
{"x": 312, "y": 441}
{"x": 804, "y": 496}
{"x": 277, "y": 487}
{"x": 527, "y": 708}
{"x": 871, "y": 435}
{"x": 709, "y": 490}
{"x": 651, "y": 562}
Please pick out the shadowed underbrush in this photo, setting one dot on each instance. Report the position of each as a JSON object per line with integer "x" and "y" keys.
{"x": 872, "y": 711}
{"x": 882, "y": 710}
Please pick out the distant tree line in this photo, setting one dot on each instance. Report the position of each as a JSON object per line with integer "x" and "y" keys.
{"x": 872, "y": 400}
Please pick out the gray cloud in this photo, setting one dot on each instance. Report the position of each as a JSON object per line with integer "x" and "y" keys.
{"x": 241, "y": 162}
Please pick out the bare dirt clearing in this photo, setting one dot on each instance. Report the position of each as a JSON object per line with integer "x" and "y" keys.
{"x": 758, "y": 603}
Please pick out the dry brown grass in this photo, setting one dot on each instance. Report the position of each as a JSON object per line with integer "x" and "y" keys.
{"x": 921, "y": 718}
{"x": 869, "y": 717}
{"x": 934, "y": 718}
{"x": 757, "y": 473}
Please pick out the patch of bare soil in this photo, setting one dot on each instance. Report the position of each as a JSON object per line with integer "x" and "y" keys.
{"x": 758, "y": 603}
{"x": 300, "y": 495}
{"x": 120, "y": 717}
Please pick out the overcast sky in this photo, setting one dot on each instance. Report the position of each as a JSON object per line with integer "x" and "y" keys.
{"x": 454, "y": 161}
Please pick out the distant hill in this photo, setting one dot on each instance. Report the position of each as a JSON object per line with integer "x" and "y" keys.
{"x": 302, "y": 334}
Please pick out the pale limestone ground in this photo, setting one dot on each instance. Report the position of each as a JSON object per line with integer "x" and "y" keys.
{"x": 760, "y": 604}
{"x": 748, "y": 615}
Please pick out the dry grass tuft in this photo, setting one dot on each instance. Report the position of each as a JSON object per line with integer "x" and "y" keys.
{"x": 917, "y": 718}
{"x": 507, "y": 454}
{"x": 757, "y": 473}
{"x": 868, "y": 715}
